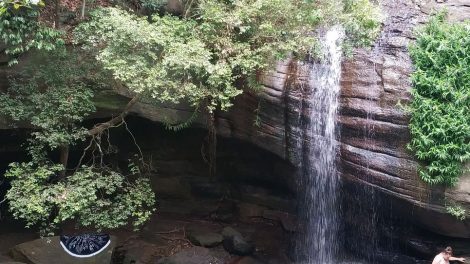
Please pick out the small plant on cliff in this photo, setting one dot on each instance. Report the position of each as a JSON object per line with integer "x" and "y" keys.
{"x": 440, "y": 109}
{"x": 457, "y": 211}
{"x": 362, "y": 22}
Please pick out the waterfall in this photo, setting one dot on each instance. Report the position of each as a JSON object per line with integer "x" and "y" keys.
{"x": 319, "y": 208}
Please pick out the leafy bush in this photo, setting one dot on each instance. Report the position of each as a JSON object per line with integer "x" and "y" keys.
{"x": 153, "y": 5}
{"x": 53, "y": 98}
{"x": 98, "y": 199}
{"x": 440, "y": 109}
{"x": 12, "y": 6}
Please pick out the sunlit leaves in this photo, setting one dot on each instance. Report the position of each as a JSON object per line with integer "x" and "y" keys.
{"x": 217, "y": 44}
{"x": 163, "y": 58}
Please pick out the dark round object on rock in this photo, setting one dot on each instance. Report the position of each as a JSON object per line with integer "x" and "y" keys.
{"x": 85, "y": 245}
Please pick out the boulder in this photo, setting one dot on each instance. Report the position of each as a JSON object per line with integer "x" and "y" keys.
{"x": 239, "y": 246}
{"x": 248, "y": 211}
{"x": 205, "y": 239}
{"x": 229, "y": 232}
{"x": 194, "y": 255}
{"x": 234, "y": 242}
{"x": 49, "y": 251}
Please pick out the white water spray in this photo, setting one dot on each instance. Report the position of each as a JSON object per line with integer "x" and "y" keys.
{"x": 320, "y": 205}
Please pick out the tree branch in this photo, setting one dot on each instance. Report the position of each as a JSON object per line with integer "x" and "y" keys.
{"x": 99, "y": 128}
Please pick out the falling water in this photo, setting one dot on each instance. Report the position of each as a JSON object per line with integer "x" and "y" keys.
{"x": 320, "y": 179}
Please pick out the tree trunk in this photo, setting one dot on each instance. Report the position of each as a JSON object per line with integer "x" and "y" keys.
{"x": 212, "y": 145}
{"x": 56, "y": 14}
{"x": 99, "y": 128}
{"x": 63, "y": 158}
{"x": 82, "y": 16}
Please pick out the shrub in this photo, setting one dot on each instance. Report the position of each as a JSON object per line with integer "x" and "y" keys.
{"x": 440, "y": 116}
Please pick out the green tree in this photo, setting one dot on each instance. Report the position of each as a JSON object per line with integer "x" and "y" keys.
{"x": 53, "y": 97}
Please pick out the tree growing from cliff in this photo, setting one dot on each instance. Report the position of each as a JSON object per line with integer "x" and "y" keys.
{"x": 440, "y": 109}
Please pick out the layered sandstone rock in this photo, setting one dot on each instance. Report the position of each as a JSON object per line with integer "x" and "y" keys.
{"x": 374, "y": 132}
{"x": 373, "y": 124}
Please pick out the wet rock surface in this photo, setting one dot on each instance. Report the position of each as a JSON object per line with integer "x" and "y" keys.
{"x": 374, "y": 131}
{"x": 238, "y": 245}
{"x": 205, "y": 238}
{"x": 194, "y": 255}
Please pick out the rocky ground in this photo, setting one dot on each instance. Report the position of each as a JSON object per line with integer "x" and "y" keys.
{"x": 172, "y": 237}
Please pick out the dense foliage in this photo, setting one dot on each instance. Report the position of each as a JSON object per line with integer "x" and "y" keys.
{"x": 201, "y": 56}
{"x": 53, "y": 98}
{"x": 440, "y": 109}
{"x": 362, "y": 22}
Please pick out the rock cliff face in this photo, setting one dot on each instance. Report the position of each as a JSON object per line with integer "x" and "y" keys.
{"x": 374, "y": 129}
{"x": 373, "y": 125}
